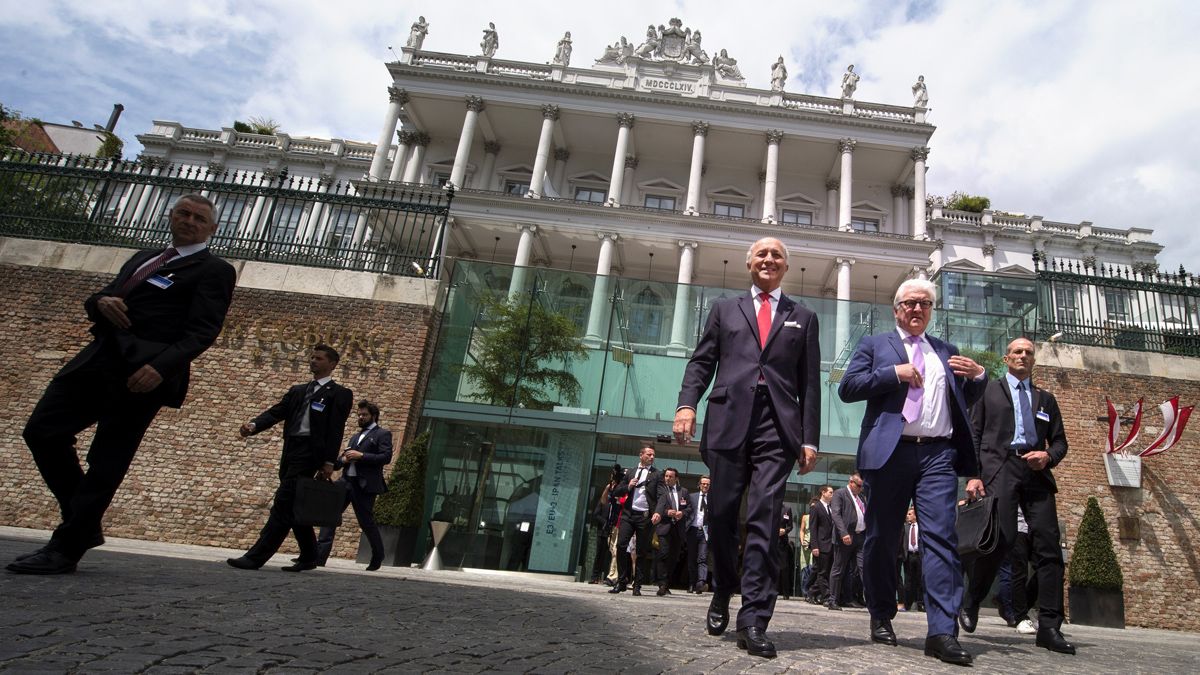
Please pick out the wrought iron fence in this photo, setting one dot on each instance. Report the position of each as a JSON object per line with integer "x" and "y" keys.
{"x": 1136, "y": 308}
{"x": 388, "y": 227}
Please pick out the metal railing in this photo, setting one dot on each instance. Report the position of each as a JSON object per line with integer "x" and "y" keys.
{"x": 271, "y": 216}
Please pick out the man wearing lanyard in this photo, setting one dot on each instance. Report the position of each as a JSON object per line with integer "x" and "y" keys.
{"x": 673, "y": 510}
{"x": 638, "y": 518}
{"x": 697, "y": 540}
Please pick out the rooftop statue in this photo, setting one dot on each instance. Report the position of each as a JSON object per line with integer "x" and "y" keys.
{"x": 651, "y": 46}
{"x": 491, "y": 40}
{"x": 726, "y": 66}
{"x": 692, "y": 53}
{"x": 617, "y": 52}
{"x": 849, "y": 82}
{"x": 562, "y": 54}
{"x": 778, "y": 75}
{"x": 416, "y": 34}
{"x": 920, "y": 93}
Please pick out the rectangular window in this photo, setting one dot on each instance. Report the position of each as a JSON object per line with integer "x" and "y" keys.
{"x": 593, "y": 195}
{"x": 727, "y": 209}
{"x": 660, "y": 202}
{"x": 1066, "y": 302}
{"x": 233, "y": 208}
{"x": 516, "y": 187}
{"x": 864, "y": 224}
{"x": 1117, "y": 304}
{"x": 440, "y": 179}
{"x": 793, "y": 217}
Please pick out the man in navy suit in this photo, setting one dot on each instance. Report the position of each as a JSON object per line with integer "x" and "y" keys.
{"x": 763, "y": 417}
{"x": 362, "y": 475}
{"x": 314, "y": 421}
{"x": 916, "y": 440}
{"x": 820, "y": 542}
{"x": 674, "y": 510}
{"x": 164, "y": 308}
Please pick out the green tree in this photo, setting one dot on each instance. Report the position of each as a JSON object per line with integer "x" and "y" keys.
{"x": 111, "y": 147}
{"x": 404, "y": 502}
{"x": 1094, "y": 562}
{"x": 961, "y": 201}
{"x": 257, "y": 125}
{"x": 992, "y": 362}
{"x": 514, "y": 348}
{"x": 6, "y": 134}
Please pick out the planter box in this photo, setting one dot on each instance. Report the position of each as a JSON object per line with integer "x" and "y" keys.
{"x": 398, "y": 544}
{"x": 1095, "y": 607}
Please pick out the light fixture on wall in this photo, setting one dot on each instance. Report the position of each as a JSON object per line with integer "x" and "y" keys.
{"x": 650, "y": 269}
{"x": 802, "y": 282}
{"x": 571, "y": 266}
{"x": 494, "y": 247}
{"x": 723, "y": 270}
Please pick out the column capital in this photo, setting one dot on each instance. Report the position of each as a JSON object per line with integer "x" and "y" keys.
{"x": 699, "y": 128}
{"x": 475, "y": 103}
{"x": 688, "y": 244}
{"x": 216, "y": 167}
{"x": 899, "y": 190}
{"x": 846, "y": 145}
{"x": 527, "y": 227}
{"x": 625, "y": 120}
{"x": 939, "y": 244}
{"x": 920, "y": 153}
{"x": 420, "y": 138}
{"x": 832, "y": 184}
{"x": 774, "y": 136}
{"x": 404, "y": 137}
{"x": 988, "y": 249}
{"x": 762, "y": 176}
{"x": 270, "y": 173}
{"x": 397, "y": 95}
{"x": 910, "y": 192}
{"x": 550, "y": 112}
{"x": 631, "y": 161}
{"x": 491, "y": 147}
{"x": 562, "y": 154}
{"x": 611, "y": 236}
{"x": 848, "y": 262}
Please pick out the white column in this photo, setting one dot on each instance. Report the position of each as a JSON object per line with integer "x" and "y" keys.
{"x": 683, "y": 299}
{"x": 631, "y": 165}
{"x": 831, "y": 202}
{"x": 521, "y": 262}
{"x": 989, "y": 251}
{"x": 561, "y": 155}
{"x": 397, "y": 97}
{"x": 542, "y": 158}
{"x": 483, "y": 181}
{"x": 412, "y": 170}
{"x": 403, "y": 140}
{"x": 936, "y": 258}
{"x": 312, "y": 225}
{"x": 919, "y": 155}
{"x": 846, "y": 147}
{"x": 842, "y": 328}
{"x": 599, "y": 308}
{"x": 615, "y": 182}
{"x": 699, "y": 132}
{"x": 463, "y": 155}
{"x": 774, "y": 138}
{"x": 919, "y": 272}
{"x": 156, "y": 166}
{"x": 899, "y": 202}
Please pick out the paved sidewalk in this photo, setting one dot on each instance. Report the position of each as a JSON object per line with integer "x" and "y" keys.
{"x": 144, "y": 607}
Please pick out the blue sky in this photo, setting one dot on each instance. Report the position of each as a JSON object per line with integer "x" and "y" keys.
{"x": 1070, "y": 109}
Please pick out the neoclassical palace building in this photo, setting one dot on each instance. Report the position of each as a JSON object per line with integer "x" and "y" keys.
{"x": 622, "y": 192}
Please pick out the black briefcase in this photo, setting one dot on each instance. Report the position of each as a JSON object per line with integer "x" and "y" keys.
{"x": 318, "y": 502}
{"x": 978, "y": 532}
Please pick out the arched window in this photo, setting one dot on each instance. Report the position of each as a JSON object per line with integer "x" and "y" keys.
{"x": 572, "y": 302}
{"x": 646, "y": 318}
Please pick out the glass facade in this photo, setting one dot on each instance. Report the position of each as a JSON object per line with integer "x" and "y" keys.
{"x": 520, "y": 481}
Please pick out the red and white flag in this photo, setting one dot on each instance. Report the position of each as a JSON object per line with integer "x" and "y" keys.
{"x": 1174, "y": 421}
{"x": 1114, "y": 428}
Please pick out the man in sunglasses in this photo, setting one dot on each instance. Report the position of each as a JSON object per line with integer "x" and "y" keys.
{"x": 916, "y": 440}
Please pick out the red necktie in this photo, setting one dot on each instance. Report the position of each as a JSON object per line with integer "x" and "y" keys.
{"x": 146, "y": 270}
{"x": 764, "y": 319}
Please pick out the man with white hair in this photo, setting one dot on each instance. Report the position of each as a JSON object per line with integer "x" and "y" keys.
{"x": 916, "y": 440}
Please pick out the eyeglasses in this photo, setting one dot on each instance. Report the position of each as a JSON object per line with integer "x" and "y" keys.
{"x": 913, "y": 304}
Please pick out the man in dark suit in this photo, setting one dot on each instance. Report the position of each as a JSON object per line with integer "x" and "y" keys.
{"x": 362, "y": 475}
{"x": 820, "y": 542}
{"x": 674, "y": 509}
{"x": 847, "y": 509}
{"x": 783, "y": 549}
{"x": 1019, "y": 431}
{"x": 164, "y": 308}
{"x": 638, "y": 517}
{"x": 909, "y": 557}
{"x": 763, "y": 417}
{"x": 697, "y": 539}
{"x": 314, "y": 420}
{"x": 916, "y": 439}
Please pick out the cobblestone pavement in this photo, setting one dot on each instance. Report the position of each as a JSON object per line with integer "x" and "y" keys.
{"x": 143, "y": 607}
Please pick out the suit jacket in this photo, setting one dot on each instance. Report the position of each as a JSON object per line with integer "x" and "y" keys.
{"x": 790, "y": 365}
{"x": 326, "y": 427}
{"x": 993, "y": 423}
{"x": 845, "y": 515}
{"x": 665, "y": 524}
{"x": 871, "y": 377}
{"x": 820, "y": 528}
{"x": 376, "y": 447}
{"x": 904, "y": 541}
{"x": 170, "y": 326}
{"x": 651, "y": 482}
{"x": 785, "y": 522}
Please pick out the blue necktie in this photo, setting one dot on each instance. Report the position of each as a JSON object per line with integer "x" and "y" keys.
{"x": 1030, "y": 432}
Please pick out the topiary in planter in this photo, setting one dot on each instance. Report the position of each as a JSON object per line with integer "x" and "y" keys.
{"x": 1094, "y": 563}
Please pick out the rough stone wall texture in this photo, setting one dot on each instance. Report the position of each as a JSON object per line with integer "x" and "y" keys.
{"x": 1161, "y": 567}
{"x": 195, "y": 480}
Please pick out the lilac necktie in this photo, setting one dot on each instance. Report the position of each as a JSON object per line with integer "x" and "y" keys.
{"x": 912, "y": 403}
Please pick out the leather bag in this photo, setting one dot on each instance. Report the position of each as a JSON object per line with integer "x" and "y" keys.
{"x": 978, "y": 531}
{"x": 318, "y": 502}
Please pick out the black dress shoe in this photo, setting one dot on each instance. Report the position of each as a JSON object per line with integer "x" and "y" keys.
{"x": 968, "y": 618}
{"x": 45, "y": 561}
{"x": 718, "y": 614}
{"x": 375, "y": 564}
{"x": 946, "y": 648}
{"x": 243, "y": 563}
{"x": 754, "y": 641}
{"x": 610, "y": 583}
{"x": 1052, "y": 639}
{"x": 881, "y": 632}
{"x": 637, "y": 590}
{"x": 833, "y": 605}
{"x": 300, "y": 567}
{"x": 91, "y": 542}
{"x": 619, "y": 588}
{"x": 663, "y": 590}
